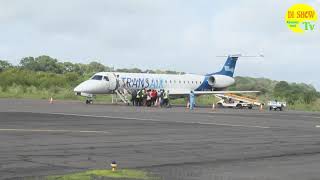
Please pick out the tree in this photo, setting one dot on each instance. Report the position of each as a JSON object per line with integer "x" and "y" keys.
{"x": 133, "y": 70}
{"x": 68, "y": 67}
{"x": 41, "y": 63}
{"x": 4, "y": 65}
{"x": 281, "y": 89}
{"x": 96, "y": 67}
{"x": 28, "y": 63}
{"x": 48, "y": 64}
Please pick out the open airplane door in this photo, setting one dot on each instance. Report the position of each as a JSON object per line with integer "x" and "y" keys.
{"x": 113, "y": 82}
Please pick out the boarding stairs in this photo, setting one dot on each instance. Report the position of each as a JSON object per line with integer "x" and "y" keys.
{"x": 253, "y": 101}
{"x": 123, "y": 92}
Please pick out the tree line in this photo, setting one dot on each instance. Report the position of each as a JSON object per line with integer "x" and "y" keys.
{"x": 52, "y": 65}
{"x": 45, "y": 72}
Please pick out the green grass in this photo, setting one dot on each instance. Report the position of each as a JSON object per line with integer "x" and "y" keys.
{"x": 315, "y": 106}
{"x": 88, "y": 175}
{"x": 20, "y": 92}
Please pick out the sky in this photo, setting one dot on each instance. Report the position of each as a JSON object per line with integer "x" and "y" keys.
{"x": 180, "y": 35}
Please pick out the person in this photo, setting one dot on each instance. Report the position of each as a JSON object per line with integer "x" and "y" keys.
{"x": 139, "y": 97}
{"x": 192, "y": 100}
{"x": 160, "y": 98}
{"x": 144, "y": 97}
{"x": 148, "y": 98}
{"x": 166, "y": 98}
{"x": 134, "y": 98}
{"x": 153, "y": 97}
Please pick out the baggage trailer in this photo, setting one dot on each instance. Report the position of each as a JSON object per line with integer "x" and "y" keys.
{"x": 236, "y": 101}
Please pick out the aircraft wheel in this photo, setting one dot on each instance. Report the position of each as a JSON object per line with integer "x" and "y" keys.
{"x": 239, "y": 106}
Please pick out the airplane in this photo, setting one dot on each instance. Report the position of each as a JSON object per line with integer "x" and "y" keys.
{"x": 177, "y": 85}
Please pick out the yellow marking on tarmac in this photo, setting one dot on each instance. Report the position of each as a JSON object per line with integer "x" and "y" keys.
{"x": 53, "y": 130}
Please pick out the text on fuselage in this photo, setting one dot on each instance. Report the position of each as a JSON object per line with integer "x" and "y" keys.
{"x": 140, "y": 83}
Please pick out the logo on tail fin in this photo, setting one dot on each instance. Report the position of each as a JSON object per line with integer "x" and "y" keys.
{"x": 227, "y": 68}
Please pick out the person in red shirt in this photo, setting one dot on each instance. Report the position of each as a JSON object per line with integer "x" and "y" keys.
{"x": 153, "y": 96}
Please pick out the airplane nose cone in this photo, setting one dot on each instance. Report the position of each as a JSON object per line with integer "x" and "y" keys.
{"x": 79, "y": 88}
{"x": 76, "y": 89}
{"x": 91, "y": 87}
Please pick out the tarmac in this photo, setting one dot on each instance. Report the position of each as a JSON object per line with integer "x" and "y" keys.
{"x": 38, "y": 139}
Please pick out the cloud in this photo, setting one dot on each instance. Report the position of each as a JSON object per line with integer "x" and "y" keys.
{"x": 179, "y": 35}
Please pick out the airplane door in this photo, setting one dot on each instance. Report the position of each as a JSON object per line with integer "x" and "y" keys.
{"x": 113, "y": 82}
{"x": 106, "y": 82}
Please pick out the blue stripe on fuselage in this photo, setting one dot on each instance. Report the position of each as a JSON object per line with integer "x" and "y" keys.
{"x": 204, "y": 85}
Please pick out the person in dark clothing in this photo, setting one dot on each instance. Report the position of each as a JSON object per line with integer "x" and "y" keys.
{"x": 134, "y": 100}
{"x": 139, "y": 98}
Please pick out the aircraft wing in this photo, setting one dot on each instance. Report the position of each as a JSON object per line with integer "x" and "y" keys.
{"x": 223, "y": 92}
{"x": 183, "y": 92}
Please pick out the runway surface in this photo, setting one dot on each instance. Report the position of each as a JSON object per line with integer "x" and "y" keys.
{"x": 38, "y": 138}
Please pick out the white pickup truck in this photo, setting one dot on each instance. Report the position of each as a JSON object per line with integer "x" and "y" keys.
{"x": 275, "y": 105}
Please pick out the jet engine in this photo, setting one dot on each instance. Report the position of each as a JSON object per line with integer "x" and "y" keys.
{"x": 220, "y": 81}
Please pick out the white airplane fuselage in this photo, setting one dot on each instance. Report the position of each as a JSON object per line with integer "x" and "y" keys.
{"x": 107, "y": 82}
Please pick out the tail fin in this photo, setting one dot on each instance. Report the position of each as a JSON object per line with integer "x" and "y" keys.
{"x": 229, "y": 66}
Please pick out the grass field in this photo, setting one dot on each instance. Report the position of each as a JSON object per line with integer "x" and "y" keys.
{"x": 105, "y": 174}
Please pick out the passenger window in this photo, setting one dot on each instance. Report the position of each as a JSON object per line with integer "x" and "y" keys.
{"x": 106, "y": 78}
{"x": 97, "y": 77}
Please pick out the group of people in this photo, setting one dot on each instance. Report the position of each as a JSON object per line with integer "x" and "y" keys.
{"x": 150, "y": 97}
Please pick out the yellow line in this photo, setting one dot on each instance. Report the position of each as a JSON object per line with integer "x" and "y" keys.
{"x": 53, "y": 130}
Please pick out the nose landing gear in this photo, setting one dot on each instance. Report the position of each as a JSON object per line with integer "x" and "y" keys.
{"x": 89, "y": 101}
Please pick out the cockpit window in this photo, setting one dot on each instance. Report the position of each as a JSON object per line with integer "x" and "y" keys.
{"x": 97, "y": 77}
{"x": 105, "y": 78}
